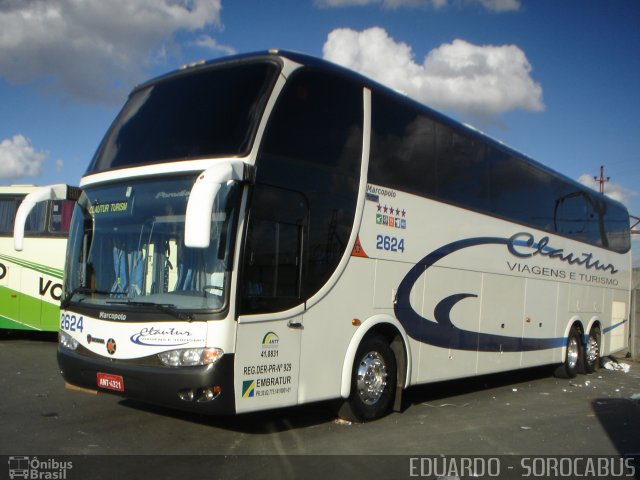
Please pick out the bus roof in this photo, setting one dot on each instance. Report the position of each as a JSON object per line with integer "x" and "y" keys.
{"x": 17, "y": 188}
{"x": 314, "y": 62}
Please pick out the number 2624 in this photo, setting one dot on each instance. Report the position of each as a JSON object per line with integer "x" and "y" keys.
{"x": 390, "y": 244}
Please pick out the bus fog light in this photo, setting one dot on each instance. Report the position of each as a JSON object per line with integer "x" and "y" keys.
{"x": 190, "y": 357}
{"x": 67, "y": 341}
{"x": 207, "y": 394}
{"x": 186, "y": 395}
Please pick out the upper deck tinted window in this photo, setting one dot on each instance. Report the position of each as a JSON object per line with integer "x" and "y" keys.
{"x": 205, "y": 113}
{"x": 414, "y": 151}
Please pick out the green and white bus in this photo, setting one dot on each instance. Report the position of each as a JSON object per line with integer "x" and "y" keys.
{"x": 31, "y": 280}
{"x": 269, "y": 230}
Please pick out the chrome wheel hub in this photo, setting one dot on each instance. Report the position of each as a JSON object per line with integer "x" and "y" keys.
{"x": 371, "y": 378}
{"x": 592, "y": 352}
{"x": 572, "y": 352}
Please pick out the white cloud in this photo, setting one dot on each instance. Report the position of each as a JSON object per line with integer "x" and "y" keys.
{"x": 499, "y": 5}
{"x": 492, "y": 5}
{"x": 93, "y": 49}
{"x": 208, "y": 43}
{"x": 471, "y": 80}
{"x": 611, "y": 189}
{"x": 19, "y": 159}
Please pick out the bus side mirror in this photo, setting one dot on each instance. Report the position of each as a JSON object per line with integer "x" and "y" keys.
{"x": 42, "y": 194}
{"x": 197, "y": 223}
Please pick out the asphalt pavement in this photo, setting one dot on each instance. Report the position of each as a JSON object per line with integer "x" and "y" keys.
{"x": 524, "y": 413}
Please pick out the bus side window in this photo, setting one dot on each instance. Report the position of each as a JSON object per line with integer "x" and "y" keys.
{"x": 37, "y": 219}
{"x": 8, "y": 208}
{"x": 273, "y": 258}
{"x": 61, "y": 216}
{"x": 313, "y": 144}
{"x": 571, "y": 215}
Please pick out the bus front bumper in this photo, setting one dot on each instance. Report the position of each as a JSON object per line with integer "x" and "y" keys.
{"x": 201, "y": 389}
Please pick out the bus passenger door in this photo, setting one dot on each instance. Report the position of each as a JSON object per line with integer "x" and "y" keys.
{"x": 269, "y": 331}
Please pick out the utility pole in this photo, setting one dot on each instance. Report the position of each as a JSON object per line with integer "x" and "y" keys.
{"x": 601, "y": 180}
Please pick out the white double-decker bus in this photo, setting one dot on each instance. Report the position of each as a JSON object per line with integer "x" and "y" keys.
{"x": 269, "y": 230}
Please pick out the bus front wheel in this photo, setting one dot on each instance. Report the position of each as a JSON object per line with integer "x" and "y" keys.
{"x": 373, "y": 381}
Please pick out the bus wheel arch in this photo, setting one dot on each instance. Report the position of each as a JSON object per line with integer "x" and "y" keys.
{"x": 375, "y": 372}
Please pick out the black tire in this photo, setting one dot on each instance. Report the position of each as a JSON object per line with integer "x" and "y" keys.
{"x": 592, "y": 351}
{"x": 373, "y": 381}
{"x": 574, "y": 357}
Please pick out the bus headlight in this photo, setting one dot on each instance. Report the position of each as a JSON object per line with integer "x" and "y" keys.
{"x": 67, "y": 341}
{"x": 189, "y": 357}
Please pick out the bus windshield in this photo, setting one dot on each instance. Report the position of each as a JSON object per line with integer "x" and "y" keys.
{"x": 188, "y": 115}
{"x": 126, "y": 247}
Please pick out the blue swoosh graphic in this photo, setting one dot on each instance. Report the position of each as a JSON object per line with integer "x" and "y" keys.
{"x": 608, "y": 329}
{"x": 442, "y": 332}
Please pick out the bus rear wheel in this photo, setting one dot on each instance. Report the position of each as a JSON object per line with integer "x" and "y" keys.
{"x": 592, "y": 351}
{"x": 373, "y": 381}
{"x": 573, "y": 360}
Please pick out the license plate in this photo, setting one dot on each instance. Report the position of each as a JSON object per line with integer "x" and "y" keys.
{"x": 111, "y": 382}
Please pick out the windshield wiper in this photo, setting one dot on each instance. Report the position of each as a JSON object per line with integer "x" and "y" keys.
{"x": 66, "y": 301}
{"x": 169, "y": 308}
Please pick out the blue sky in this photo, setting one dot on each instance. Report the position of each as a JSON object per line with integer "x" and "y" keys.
{"x": 557, "y": 80}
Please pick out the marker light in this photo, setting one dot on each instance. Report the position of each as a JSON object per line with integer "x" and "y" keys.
{"x": 190, "y": 357}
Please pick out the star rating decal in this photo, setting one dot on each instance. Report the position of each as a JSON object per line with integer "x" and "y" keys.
{"x": 391, "y": 216}
{"x": 391, "y": 210}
